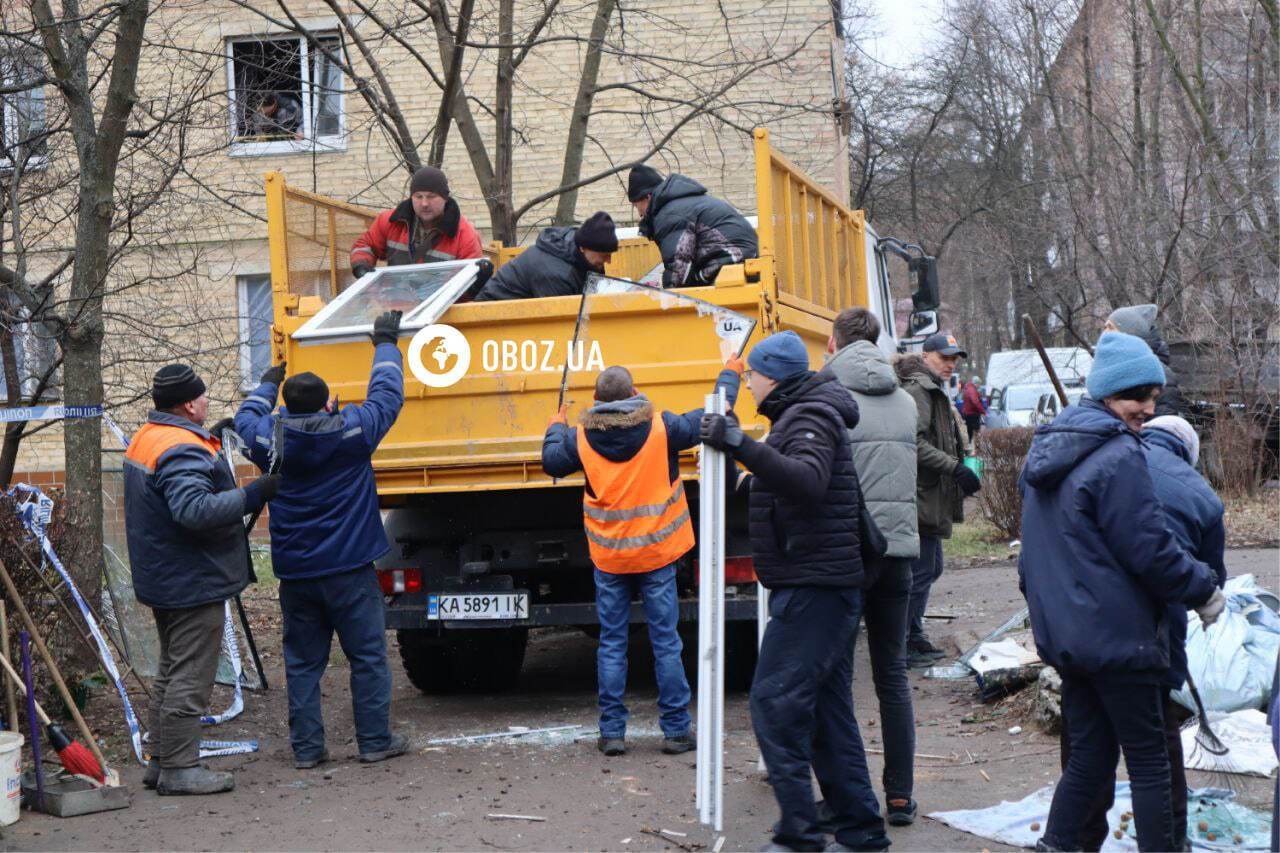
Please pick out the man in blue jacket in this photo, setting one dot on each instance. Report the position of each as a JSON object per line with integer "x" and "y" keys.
{"x": 184, "y": 519}
{"x": 1099, "y": 569}
{"x": 326, "y": 533}
{"x": 803, "y": 519}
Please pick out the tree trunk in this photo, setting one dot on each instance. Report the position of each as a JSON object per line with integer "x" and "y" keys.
{"x": 566, "y": 207}
{"x": 501, "y": 205}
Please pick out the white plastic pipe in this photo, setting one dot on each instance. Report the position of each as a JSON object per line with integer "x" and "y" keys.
{"x": 711, "y": 518}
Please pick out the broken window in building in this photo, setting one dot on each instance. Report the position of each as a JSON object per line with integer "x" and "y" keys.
{"x": 285, "y": 92}
{"x": 254, "y": 296}
{"x": 23, "y": 135}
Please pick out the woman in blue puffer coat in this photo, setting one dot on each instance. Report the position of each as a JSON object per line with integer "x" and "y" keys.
{"x": 1099, "y": 567}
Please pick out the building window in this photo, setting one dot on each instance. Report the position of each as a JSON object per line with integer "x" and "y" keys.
{"x": 35, "y": 359}
{"x": 254, "y": 294}
{"x": 285, "y": 95}
{"x": 24, "y": 142}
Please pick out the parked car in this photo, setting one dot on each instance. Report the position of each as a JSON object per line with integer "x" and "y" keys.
{"x": 1014, "y": 405}
{"x": 1049, "y": 406}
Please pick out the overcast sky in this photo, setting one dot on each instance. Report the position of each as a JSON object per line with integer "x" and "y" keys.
{"x": 899, "y": 28}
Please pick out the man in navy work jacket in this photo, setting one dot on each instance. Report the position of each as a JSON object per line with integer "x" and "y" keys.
{"x": 184, "y": 519}
{"x": 1100, "y": 569}
{"x": 326, "y": 533}
{"x": 804, "y": 510}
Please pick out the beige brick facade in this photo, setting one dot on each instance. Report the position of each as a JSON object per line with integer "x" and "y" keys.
{"x": 218, "y": 231}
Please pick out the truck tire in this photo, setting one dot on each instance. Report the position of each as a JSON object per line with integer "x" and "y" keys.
{"x": 473, "y": 661}
{"x": 740, "y": 652}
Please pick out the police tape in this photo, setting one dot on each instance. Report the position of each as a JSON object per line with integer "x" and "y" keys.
{"x": 49, "y": 413}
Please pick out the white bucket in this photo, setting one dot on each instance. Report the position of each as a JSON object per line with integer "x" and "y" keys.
{"x": 11, "y": 775}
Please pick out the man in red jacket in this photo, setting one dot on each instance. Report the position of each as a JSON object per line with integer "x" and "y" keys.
{"x": 424, "y": 228}
{"x": 971, "y": 407}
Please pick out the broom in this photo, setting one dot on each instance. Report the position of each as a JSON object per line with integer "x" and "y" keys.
{"x": 75, "y": 757}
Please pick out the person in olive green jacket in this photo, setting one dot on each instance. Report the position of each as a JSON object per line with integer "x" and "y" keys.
{"x": 942, "y": 480}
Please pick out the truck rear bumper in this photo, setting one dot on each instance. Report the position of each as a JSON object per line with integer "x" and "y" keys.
{"x": 402, "y": 618}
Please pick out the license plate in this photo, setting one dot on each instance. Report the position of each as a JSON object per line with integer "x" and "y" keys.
{"x": 479, "y": 605}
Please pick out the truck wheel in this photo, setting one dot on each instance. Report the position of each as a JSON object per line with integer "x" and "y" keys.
{"x": 740, "y": 652}
{"x": 477, "y": 661}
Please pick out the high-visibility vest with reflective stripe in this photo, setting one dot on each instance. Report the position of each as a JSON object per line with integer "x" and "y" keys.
{"x": 638, "y": 519}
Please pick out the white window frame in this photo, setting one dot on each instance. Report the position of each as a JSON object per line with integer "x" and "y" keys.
{"x": 9, "y": 115}
{"x": 309, "y": 143}
{"x": 244, "y": 322}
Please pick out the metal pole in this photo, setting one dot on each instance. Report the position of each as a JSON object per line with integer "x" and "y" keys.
{"x": 10, "y": 701}
{"x": 711, "y": 517}
{"x": 762, "y": 622}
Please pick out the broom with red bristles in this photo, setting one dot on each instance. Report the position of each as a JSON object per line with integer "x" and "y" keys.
{"x": 75, "y": 756}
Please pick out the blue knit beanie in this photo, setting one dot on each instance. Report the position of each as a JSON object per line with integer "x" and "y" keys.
{"x": 1122, "y": 362}
{"x": 779, "y": 356}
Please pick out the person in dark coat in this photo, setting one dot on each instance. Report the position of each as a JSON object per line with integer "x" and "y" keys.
{"x": 803, "y": 519}
{"x": 558, "y": 264}
{"x": 326, "y": 533}
{"x": 188, "y": 554}
{"x": 638, "y": 528}
{"x": 1140, "y": 320}
{"x": 696, "y": 233}
{"x": 1099, "y": 568}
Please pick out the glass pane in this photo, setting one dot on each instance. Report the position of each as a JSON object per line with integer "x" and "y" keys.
{"x": 422, "y": 291}
{"x": 257, "y": 324}
{"x": 326, "y": 88}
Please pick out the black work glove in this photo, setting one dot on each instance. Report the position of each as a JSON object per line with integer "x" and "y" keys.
{"x": 386, "y": 329}
{"x": 707, "y": 274}
{"x": 670, "y": 279}
{"x": 261, "y": 490}
{"x": 721, "y": 431}
{"x": 966, "y": 479}
{"x": 359, "y": 270}
{"x": 484, "y": 272}
{"x": 216, "y": 429}
{"x": 274, "y": 375}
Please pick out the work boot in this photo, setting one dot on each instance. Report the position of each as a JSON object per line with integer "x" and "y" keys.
{"x": 182, "y": 781}
{"x": 152, "y": 775}
{"x": 611, "y": 746}
{"x": 900, "y": 812}
{"x": 309, "y": 763}
{"x": 399, "y": 745}
{"x": 678, "y": 744}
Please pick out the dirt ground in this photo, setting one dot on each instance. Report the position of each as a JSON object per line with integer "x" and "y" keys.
{"x": 438, "y": 797}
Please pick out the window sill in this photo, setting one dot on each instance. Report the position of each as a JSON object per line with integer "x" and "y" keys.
{"x": 283, "y": 147}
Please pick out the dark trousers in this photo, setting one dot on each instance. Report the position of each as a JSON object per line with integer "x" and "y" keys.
{"x": 802, "y": 712}
{"x": 350, "y": 605}
{"x": 885, "y": 610}
{"x": 1103, "y": 717}
{"x": 925, "y": 569}
{"x": 973, "y": 423}
{"x": 190, "y": 640}
{"x": 1093, "y": 830}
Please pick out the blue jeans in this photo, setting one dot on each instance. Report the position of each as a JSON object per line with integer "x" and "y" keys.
{"x": 350, "y": 604}
{"x": 662, "y": 612}
{"x": 802, "y": 712}
{"x": 925, "y": 569}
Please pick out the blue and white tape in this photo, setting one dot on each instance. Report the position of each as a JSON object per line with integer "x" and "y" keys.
{"x": 48, "y": 413}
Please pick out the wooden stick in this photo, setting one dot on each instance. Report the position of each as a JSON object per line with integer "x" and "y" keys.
{"x": 1044, "y": 356}
{"x": 10, "y": 700}
{"x": 17, "y": 679}
{"x": 54, "y": 672}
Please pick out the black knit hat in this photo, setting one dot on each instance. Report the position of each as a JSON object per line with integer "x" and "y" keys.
{"x": 175, "y": 384}
{"x": 642, "y": 181}
{"x": 305, "y": 394}
{"x": 597, "y": 234}
{"x": 429, "y": 179}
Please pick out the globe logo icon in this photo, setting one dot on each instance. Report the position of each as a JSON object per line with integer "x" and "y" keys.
{"x": 439, "y": 356}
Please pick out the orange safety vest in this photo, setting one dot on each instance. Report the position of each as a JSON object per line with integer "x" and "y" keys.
{"x": 155, "y": 440}
{"x": 638, "y": 520}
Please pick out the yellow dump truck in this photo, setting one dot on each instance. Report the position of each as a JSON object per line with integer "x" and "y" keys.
{"x": 485, "y": 545}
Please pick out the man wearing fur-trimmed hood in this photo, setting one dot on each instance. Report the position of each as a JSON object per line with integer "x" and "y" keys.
{"x": 638, "y": 527}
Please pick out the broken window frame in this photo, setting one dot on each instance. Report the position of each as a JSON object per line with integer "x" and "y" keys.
{"x": 311, "y": 93}
{"x": 17, "y": 69}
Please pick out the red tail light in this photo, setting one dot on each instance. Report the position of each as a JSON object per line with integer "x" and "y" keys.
{"x": 736, "y": 570}
{"x": 396, "y": 581}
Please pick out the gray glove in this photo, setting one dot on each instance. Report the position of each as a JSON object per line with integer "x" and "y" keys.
{"x": 1212, "y": 609}
{"x": 386, "y": 329}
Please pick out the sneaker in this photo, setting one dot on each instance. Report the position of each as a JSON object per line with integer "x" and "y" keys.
{"x": 919, "y": 660}
{"x": 399, "y": 745}
{"x": 900, "y": 812}
{"x": 923, "y": 646}
{"x": 611, "y": 746}
{"x": 678, "y": 744}
{"x": 152, "y": 775}
{"x": 309, "y": 763}
{"x": 193, "y": 781}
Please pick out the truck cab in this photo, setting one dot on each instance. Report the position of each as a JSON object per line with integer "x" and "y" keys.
{"x": 485, "y": 545}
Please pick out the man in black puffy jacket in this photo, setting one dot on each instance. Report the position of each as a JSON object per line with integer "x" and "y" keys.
{"x": 804, "y": 508}
{"x": 558, "y": 264}
{"x": 696, "y": 232}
